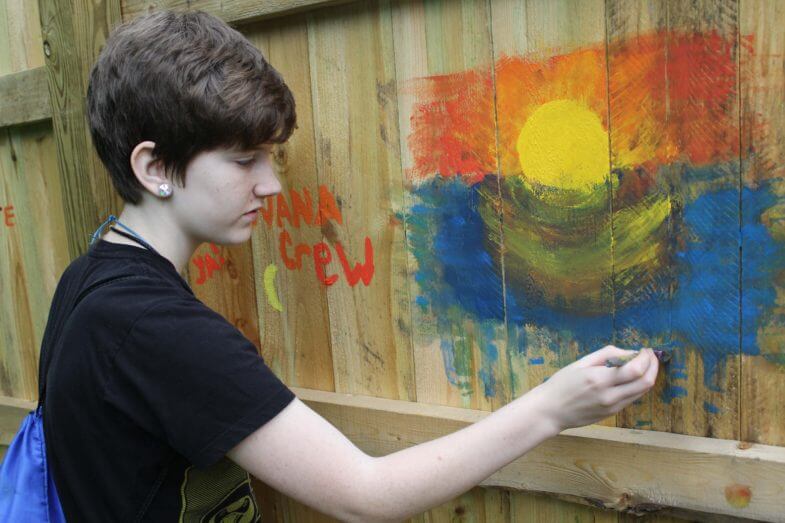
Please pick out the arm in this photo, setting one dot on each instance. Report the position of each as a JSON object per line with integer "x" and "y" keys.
{"x": 300, "y": 454}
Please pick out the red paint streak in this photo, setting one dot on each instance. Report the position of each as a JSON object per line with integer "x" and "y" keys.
{"x": 217, "y": 251}
{"x": 364, "y": 271}
{"x": 328, "y": 208}
{"x": 303, "y": 206}
{"x": 321, "y": 257}
{"x": 301, "y": 250}
{"x": 207, "y": 265}
{"x": 453, "y": 126}
{"x": 301, "y": 209}
{"x": 8, "y": 214}
{"x": 267, "y": 211}
{"x": 283, "y": 209}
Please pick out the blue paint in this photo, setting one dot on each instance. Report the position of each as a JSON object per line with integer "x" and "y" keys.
{"x": 712, "y": 409}
{"x": 459, "y": 278}
{"x": 672, "y": 392}
{"x": 641, "y": 423}
{"x": 448, "y": 358}
{"x": 447, "y": 237}
{"x": 762, "y": 259}
{"x": 706, "y": 306}
{"x": 489, "y": 356}
{"x": 536, "y": 361}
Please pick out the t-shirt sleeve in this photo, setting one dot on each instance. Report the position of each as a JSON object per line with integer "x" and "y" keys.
{"x": 187, "y": 375}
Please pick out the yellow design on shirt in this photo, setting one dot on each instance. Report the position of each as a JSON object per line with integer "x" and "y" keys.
{"x": 220, "y": 493}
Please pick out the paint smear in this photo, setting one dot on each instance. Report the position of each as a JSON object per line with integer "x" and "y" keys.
{"x": 738, "y": 496}
{"x": 643, "y": 242}
{"x": 269, "y": 287}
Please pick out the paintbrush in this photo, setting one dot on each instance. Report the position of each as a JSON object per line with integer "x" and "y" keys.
{"x": 663, "y": 356}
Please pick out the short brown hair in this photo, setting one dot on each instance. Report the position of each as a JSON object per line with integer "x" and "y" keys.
{"x": 189, "y": 83}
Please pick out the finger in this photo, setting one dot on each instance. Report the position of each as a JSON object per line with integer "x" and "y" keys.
{"x": 599, "y": 357}
{"x": 635, "y": 368}
{"x": 626, "y": 393}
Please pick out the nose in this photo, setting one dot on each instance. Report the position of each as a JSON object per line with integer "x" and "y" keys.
{"x": 268, "y": 185}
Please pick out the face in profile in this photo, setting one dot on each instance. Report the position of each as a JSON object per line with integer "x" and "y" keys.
{"x": 224, "y": 188}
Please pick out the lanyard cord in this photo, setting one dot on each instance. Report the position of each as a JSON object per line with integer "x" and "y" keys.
{"x": 133, "y": 236}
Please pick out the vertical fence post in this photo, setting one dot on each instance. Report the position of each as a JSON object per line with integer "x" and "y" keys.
{"x": 73, "y": 34}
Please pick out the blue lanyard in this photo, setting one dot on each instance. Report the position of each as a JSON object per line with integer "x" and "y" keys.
{"x": 113, "y": 219}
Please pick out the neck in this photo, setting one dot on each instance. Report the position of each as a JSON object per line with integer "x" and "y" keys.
{"x": 154, "y": 228}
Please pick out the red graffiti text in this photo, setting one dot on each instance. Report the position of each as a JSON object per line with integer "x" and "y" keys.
{"x": 207, "y": 264}
{"x": 8, "y": 215}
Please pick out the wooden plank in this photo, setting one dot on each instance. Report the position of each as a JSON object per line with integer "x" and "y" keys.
{"x": 72, "y": 39}
{"x": 645, "y": 272}
{"x": 550, "y": 64}
{"x": 624, "y": 469}
{"x": 24, "y": 97}
{"x": 445, "y": 98}
{"x": 12, "y": 412}
{"x": 34, "y": 252}
{"x": 460, "y": 359}
{"x": 763, "y": 209}
{"x": 703, "y": 106}
{"x": 356, "y": 134}
{"x": 20, "y": 37}
{"x": 556, "y": 253}
{"x": 296, "y": 338}
{"x": 232, "y": 11}
{"x": 674, "y": 138}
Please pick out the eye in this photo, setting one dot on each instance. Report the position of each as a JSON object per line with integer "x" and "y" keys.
{"x": 244, "y": 162}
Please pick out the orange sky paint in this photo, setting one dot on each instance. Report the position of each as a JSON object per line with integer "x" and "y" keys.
{"x": 669, "y": 115}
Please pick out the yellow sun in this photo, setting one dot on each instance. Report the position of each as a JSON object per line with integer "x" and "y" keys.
{"x": 563, "y": 144}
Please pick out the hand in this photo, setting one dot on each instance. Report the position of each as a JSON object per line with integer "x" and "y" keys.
{"x": 586, "y": 391}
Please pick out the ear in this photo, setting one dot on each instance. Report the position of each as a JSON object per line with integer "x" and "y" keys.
{"x": 148, "y": 170}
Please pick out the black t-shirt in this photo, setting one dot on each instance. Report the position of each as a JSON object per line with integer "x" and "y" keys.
{"x": 145, "y": 376}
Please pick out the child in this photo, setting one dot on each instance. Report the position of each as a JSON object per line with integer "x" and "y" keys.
{"x": 157, "y": 408}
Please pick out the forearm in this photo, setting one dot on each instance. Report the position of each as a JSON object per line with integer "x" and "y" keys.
{"x": 413, "y": 480}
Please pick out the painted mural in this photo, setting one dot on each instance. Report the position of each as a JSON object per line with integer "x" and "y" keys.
{"x": 593, "y": 196}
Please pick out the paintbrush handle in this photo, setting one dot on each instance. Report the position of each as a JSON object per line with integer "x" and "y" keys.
{"x": 663, "y": 356}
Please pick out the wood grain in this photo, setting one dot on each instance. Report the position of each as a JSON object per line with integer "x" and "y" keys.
{"x": 357, "y": 155}
{"x": 24, "y": 97}
{"x": 452, "y": 350}
{"x": 235, "y": 12}
{"x": 34, "y": 251}
{"x": 73, "y": 37}
{"x": 762, "y": 411}
{"x": 625, "y": 469}
{"x": 298, "y": 337}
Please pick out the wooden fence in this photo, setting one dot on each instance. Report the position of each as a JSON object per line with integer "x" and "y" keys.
{"x": 421, "y": 268}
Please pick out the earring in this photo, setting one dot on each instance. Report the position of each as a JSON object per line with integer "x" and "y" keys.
{"x": 164, "y": 190}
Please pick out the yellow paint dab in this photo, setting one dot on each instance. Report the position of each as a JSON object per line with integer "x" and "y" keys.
{"x": 738, "y": 496}
{"x": 563, "y": 144}
{"x": 269, "y": 287}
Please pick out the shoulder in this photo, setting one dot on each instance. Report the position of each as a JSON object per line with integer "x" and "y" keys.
{"x": 126, "y": 299}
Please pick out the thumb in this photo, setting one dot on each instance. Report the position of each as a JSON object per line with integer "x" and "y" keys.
{"x": 599, "y": 357}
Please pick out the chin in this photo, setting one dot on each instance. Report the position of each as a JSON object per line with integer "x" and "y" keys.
{"x": 235, "y": 237}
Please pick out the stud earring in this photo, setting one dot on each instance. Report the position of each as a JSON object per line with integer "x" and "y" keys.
{"x": 164, "y": 190}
